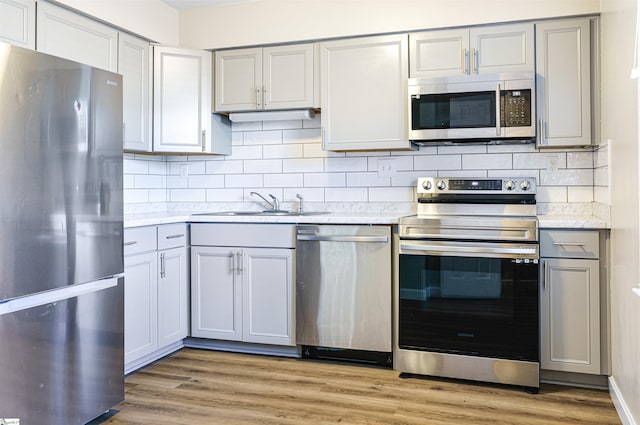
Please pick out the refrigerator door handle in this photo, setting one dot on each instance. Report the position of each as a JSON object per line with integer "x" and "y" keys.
{"x": 43, "y": 298}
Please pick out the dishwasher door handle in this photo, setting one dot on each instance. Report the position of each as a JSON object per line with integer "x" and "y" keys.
{"x": 375, "y": 239}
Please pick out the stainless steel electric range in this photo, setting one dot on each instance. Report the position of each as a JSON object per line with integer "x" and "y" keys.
{"x": 466, "y": 282}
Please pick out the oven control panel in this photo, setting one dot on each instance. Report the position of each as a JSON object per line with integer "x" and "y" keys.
{"x": 431, "y": 185}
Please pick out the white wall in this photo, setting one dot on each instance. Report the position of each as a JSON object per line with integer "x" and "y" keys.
{"x": 151, "y": 19}
{"x": 620, "y": 129}
{"x": 279, "y": 21}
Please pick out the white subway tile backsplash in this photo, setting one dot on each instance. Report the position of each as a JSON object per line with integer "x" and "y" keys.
{"x": 368, "y": 179}
{"x": 281, "y": 125}
{"x": 236, "y": 139}
{"x": 463, "y": 174}
{"x": 135, "y": 166}
{"x": 410, "y": 178}
{"x": 128, "y": 181}
{"x": 187, "y": 195}
{"x": 246, "y": 152}
{"x": 135, "y": 196}
{"x": 144, "y": 181}
{"x": 336, "y": 194}
{"x": 438, "y": 162}
{"x": 307, "y": 165}
{"x": 282, "y": 151}
{"x": 196, "y": 167}
{"x": 577, "y": 177}
{"x": 305, "y": 135}
{"x": 243, "y": 180}
{"x": 551, "y": 194}
{"x": 283, "y": 180}
{"x": 224, "y": 167}
{"x": 602, "y": 195}
{"x": 580, "y": 159}
{"x": 206, "y": 181}
{"x": 580, "y": 193}
{"x": 308, "y": 194}
{"x": 539, "y": 160}
{"x": 262, "y": 137}
{"x": 325, "y": 180}
{"x": 461, "y": 149}
{"x": 345, "y": 164}
{"x": 246, "y": 126}
{"x": 535, "y": 174}
{"x": 263, "y": 166}
{"x": 225, "y": 195}
{"x": 512, "y": 148}
{"x": 601, "y": 176}
{"x": 490, "y": 161}
{"x": 158, "y": 195}
{"x": 392, "y": 194}
{"x": 157, "y": 167}
{"x": 177, "y": 182}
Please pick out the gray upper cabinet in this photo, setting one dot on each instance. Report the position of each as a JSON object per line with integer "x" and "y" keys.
{"x": 470, "y": 51}
{"x": 71, "y": 36}
{"x": 18, "y": 22}
{"x": 134, "y": 63}
{"x": 279, "y": 77}
{"x": 364, "y": 93}
{"x": 563, "y": 85}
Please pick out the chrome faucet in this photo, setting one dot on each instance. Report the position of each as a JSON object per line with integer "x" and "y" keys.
{"x": 275, "y": 204}
{"x": 300, "y": 208}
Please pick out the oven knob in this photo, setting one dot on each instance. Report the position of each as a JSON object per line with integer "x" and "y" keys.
{"x": 525, "y": 185}
{"x": 426, "y": 185}
{"x": 509, "y": 185}
{"x": 441, "y": 185}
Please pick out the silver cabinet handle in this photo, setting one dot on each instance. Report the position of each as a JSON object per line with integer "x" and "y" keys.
{"x": 476, "y": 59}
{"x": 130, "y": 243}
{"x": 569, "y": 244}
{"x": 264, "y": 98}
{"x": 257, "y": 98}
{"x": 498, "y": 129}
{"x": 176, "y": 236}
{"x": 465, "y": 65}
{"x": 541, "y": 131}
{"x": 240, "y": 267}
{"x": 204, "y": 140}
{"x": 324, "y": 139}
{"x": 383, "y": 239}
{"x": 162, "y": 269}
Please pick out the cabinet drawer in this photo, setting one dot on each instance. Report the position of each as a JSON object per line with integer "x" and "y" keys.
{"x": 172, "y": 236}
{"x": 244, "y": 235}
{"x": 139, "y": 239}
{"x": 569, "y": 244}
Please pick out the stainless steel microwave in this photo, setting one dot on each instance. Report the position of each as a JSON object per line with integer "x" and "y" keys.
{"x": 483, "y": 107}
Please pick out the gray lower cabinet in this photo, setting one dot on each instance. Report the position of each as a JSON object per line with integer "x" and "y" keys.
{"x": 242, "y": 282}
{"x": 156, "y": 297}
{"x": 570, "y": 305}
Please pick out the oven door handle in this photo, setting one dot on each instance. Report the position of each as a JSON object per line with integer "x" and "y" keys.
{"x": 374, "y": 239}
{"x": 520, "y": 250}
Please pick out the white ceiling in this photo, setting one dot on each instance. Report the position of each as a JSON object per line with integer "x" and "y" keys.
{"x": 190, "y": 4}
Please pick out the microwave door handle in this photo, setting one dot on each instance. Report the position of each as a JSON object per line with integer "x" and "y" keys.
{"x": 498, "y": 129}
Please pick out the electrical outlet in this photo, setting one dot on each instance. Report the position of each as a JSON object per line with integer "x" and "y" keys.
{"x": 184, "y": 170}
{"x": 387, "y": 167}
{"x": 552, "y": 163}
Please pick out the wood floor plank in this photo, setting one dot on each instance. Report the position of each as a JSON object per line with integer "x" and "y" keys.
{"x": 200, "y": 387}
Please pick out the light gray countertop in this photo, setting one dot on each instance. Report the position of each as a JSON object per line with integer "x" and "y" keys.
{"x": 150, "y": 219}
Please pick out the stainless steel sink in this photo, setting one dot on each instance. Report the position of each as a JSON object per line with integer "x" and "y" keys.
{"x": 264, "y": 213}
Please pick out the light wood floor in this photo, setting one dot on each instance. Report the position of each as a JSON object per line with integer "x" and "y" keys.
{"x": 207, "y": 387}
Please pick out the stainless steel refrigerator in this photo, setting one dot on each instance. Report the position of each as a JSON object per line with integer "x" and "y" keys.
{"x": 61, "y": 264}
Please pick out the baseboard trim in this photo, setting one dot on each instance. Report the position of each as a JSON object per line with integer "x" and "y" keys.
{"x": 620, "y": 404}
{"x": 150, "y": 358}
{"x": 242, "y": 347}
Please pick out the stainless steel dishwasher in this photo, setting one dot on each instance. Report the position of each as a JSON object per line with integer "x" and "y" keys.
{"x": 343, "y": 291}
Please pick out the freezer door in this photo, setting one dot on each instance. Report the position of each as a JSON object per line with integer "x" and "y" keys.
{"x": 60, "y": 173}
{"x": 63, "y": 360}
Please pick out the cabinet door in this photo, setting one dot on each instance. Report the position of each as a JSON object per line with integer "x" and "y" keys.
{"x": 134, "y": 57}
{"x": 181, "y": 100}
{"x": 288, "y": 76}
{"x": 216, "y": 293}
{"x": 364, "y": 93}
{"x": 18, "y": 22}
{"x": 563, "y": 83}
{"x": 439, "y": 53}
{"x": 268, "y": 296}
{"x": 502, "y": 48}
{"x": 238, "y": 80}
{"x": 71, "y": 36}
{"x": 570, "y": 316}
{"x": 140, "y": 305}
{"x": 173, "y": 302}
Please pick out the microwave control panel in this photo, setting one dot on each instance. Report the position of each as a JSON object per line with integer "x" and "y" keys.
{"x": 516, "y": 108}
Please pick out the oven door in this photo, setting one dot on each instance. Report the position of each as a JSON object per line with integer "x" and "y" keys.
{"x": 475, "y": 299}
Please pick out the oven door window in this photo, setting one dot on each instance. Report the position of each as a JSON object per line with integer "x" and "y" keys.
{"x": 466, "y": 305}
{"x": 453, "y": 110}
